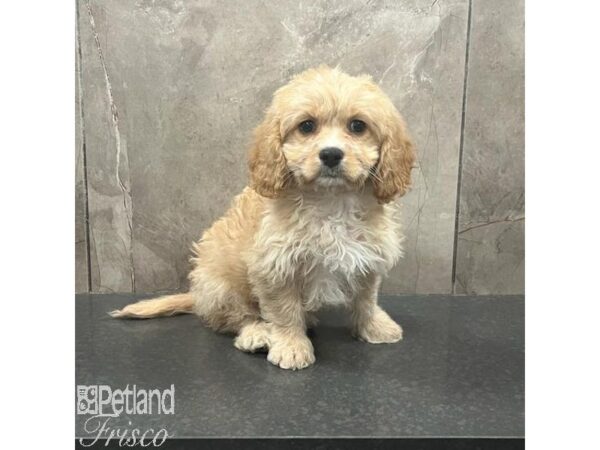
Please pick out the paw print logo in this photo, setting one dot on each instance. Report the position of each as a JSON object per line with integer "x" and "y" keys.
{"x": 87, "y": 399}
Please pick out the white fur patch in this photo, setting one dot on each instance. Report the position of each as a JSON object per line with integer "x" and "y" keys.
{"x": 325, "y": 243}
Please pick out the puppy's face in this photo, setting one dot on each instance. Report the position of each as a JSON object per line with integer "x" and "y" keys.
{"x": 327, "y": 129}
{"x": 330, "y": 147}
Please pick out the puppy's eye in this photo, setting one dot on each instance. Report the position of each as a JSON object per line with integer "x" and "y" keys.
{"x": 357, "y": 126}
{"x": 307, "y": 127}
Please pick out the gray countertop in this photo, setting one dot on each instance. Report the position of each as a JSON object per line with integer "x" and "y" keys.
{"x": 459, "y": 372}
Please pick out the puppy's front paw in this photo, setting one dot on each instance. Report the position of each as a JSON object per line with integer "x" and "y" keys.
{"x": 379, "y": 329}
{"x": 292, "y": 354}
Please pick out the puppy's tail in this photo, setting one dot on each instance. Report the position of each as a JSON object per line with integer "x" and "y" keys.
{"x": 168, "y": 305}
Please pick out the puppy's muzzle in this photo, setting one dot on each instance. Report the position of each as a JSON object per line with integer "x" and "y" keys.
{"x": 331, "y": 156}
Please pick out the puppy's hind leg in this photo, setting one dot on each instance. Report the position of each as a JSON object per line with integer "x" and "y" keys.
{"x": 222, "y": 307}
{"x": 253, "y": 337}
{"x": 227, "y": 311}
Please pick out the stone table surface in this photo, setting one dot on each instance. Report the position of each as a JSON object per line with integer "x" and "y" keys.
{"x": 459, "y": 372}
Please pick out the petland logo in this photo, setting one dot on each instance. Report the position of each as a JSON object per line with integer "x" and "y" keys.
{"x": 103, "y": 404}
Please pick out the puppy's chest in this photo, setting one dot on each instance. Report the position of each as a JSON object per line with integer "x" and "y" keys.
{"x": 334, "y": 253}
{"x": 328, "y": 251}
{"x": 337, "y": 244}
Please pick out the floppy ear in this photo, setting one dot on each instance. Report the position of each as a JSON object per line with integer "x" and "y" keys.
{"x": 268, "y": 168}
{"x": 396, "y": 160}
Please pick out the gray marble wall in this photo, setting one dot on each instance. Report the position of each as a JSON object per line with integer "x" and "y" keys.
{"x": 169, "y": 91}
{"x": 491, "y": 220}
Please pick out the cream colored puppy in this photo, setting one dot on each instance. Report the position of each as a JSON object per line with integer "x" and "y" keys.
{"x": 316, "y": 227}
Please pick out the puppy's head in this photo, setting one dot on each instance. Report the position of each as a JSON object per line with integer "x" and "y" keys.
{"x": 326, "y": 129}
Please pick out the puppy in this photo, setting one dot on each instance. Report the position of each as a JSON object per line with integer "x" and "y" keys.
{"x": 317, "y": 225}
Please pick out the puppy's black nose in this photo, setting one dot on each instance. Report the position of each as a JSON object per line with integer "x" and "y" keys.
{"x": 331, "y": 156}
